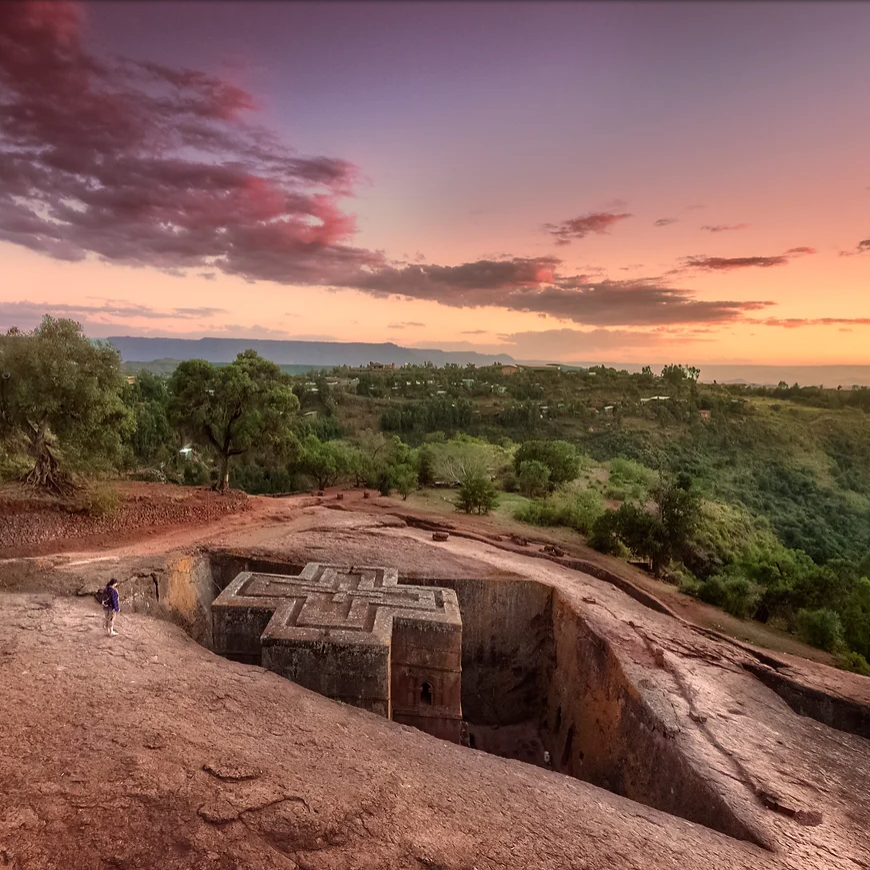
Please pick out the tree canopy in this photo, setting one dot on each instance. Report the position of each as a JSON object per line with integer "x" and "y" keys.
{"x": 560, "y": 457}
{"x": 60, "y": 394}
{"x": 228, "y": 409}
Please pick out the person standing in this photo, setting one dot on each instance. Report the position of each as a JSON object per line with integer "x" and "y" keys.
{"x": 111, "y": 606}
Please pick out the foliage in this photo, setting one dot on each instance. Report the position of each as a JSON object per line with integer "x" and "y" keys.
{"x": 533, "y": 478}
{"x": 462, "y": 457}
{"x": 852, "y": 661}
{"x": 405, "y": 479}
{"x": 559, "y": 457}
{"x": 60, "y": 394}
{"x": 774, "y": 524}
{"x": 148, "y": 400}
{"x": 425, "y": 466}
{"x": 326, "y": 462}
{"x": 477, "y": 493}
{"x": 574, "y": 510}
{"x": 733, "y": 593}
{"x": 629, "y": 479}
{"x": 101, "y": 500}
{"x": 821, "y": 628}
{"x": 228, "y": 409}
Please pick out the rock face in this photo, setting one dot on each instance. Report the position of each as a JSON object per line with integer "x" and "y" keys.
{"x": 354, "y": 635}
{"x": 146, "y": 750}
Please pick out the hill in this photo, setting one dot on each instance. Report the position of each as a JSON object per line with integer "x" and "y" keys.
{"x": 309, "y": 354}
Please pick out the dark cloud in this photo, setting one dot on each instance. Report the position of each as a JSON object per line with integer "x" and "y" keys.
{"x": 722, "y": 228}
{"x": 665, "y": 222}
{"x": 726, "y": 264}
{"x": 474, "y": 332}
{"x": 580, "y": 227}
{"x": 533, "y": 285}
{"x": 405, "y": 324}
{"x": 861, "y": 248}
{"x": 145, "y": 165}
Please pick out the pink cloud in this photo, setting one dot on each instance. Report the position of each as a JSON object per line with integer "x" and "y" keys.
{"x": 721, "y": 228}
{"x": 861, "y": 248}
{"x": 580, "y": 227}
{"x": 726, "y": 264}
{"x": 799, "y": 322}
{"x": 145, "y": 165}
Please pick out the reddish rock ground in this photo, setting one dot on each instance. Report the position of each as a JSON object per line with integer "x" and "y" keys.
{"x": 145, "y": 750}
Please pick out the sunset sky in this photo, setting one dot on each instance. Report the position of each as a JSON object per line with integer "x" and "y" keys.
{"x": 558, "y": 181}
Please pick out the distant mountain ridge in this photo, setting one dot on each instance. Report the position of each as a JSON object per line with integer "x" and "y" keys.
{"x": 318, "y": 354}
{"x": 303, "y": 355}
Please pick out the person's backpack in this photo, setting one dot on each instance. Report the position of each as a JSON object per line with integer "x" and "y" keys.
{"x": 105, "y": 596}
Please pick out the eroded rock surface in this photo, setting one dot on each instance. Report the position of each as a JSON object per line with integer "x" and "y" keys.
{"x": 146, "y": 750}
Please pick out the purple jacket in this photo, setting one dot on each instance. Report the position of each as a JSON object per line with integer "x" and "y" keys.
{"x": 110, "y": 599}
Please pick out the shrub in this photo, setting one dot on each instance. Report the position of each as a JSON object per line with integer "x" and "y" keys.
{"x": 560, "y": 457}
{"x": 477, "y": 493}
{"x": 605, "y": 537}
{"x": 533, "y": 478}
{"x": 853, "y": 661}
{"x": 195, "y": 474}
{"x": 99, "y": 501}
{"x": 508, "y": 481}
{"x": 405, "y": 479}
{"x": 385, "y": 481}
{"x": 575, "y": 510}
{"x": 712, "y": 591}
{"x": 734, "y": 594}
{"x": 820, "y": 628}
{"x": 627, "y": 472}
{"x": 687, "y": 584}
{"x": 13, "y": 465}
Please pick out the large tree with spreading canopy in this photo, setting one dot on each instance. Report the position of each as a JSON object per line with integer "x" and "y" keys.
{"x": 229, "y": 409}
{"x": 60, "y": 399}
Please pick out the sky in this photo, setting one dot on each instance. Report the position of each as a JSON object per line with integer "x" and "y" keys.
{"x": 563, "y": 181}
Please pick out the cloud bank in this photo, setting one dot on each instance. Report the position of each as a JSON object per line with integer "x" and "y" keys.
{"x": 145, "y": 165}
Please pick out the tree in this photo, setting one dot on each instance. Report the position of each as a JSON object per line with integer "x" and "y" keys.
{"x": 230, "y": 409}
{"x": 425, "y": 466}
{"x": 405, "y": 479}
{"x": 61, "y": 394}
{"x": 148, "y": 400}
{"x": 643, "y": 534}
{"x": 477, "y": 493}
{"x": 560, "y": 457}
{"x": 463, "y": 457}
{"x": 679, "y": 511}
{"x": 325, "y": 461}
{"x": 533, "y": 478}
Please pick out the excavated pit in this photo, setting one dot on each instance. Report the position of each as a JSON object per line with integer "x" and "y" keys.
{"x": 536, "y": 679}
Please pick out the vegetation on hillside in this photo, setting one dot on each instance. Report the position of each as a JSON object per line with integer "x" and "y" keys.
{"x": 755, "y": 500}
